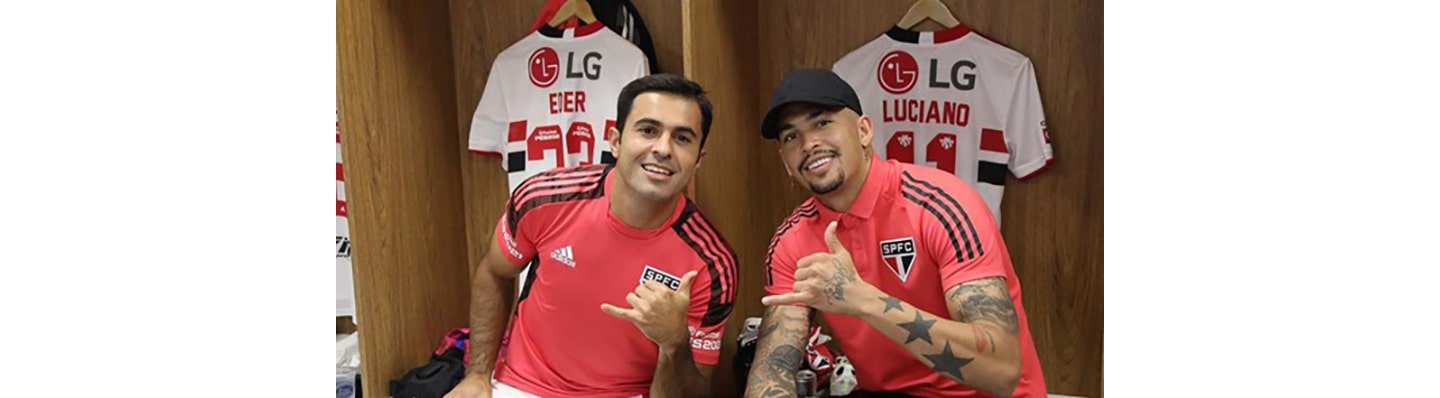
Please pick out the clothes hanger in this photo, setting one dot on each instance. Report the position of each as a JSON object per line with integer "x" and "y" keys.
{"x": 933, "y": 10}
{"x": 573, "y": 8}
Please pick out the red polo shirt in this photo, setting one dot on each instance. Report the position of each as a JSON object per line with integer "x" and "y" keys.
{"x": 914, "y": 232}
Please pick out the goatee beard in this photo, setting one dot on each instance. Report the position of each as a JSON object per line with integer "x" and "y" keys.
{"x": 828, "y": 188}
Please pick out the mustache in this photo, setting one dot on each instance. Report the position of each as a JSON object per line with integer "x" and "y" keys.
{"x": 801, "y": 167}
{"x": 669, "y": 163}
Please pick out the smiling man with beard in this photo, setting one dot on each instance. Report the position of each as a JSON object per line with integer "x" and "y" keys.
{"x": 905, "y": 262}
{"x": 630, "y": 287}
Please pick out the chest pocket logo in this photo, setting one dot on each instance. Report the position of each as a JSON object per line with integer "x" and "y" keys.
{"x": 899, "y": 255}
{"x": 655, "y": 274}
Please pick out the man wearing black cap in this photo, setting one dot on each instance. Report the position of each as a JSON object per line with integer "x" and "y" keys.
{"x": 905, "y": 262}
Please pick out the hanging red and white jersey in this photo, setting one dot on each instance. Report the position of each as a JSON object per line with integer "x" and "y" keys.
{"x": 551, "y": 97}
{"x": 953, "y": 100}
{"x": 344, "y": 278}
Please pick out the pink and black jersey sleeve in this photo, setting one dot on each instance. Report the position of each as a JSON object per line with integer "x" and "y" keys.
{"x": 712, "y": 292}
{"x": 524, "y": 223}
{"x": 779, "y": 261}
{"x": 956, "y": 226}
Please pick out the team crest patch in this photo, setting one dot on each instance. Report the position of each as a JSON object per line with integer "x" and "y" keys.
{"x": 655, "y": 274}
{"x": 899, "y": 255}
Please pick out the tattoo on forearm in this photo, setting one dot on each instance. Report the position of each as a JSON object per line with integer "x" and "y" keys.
{"x": 800, "y": 318}
{"x": 776, "y": 377}
{"x": 983, "y": 340}
{"x": 919, "y": 328}
{"x": 782, "y": 334}
{"x": 768, "y": 388}
{"x": 766, "y": 331}
{"x": 891, "y": 302}
{"x": 777, "y": 392}
{"x": 947, "y": 363}
{"x": 987, "y": 300}
{"x": 836, "y": 286}
{"x": 783, "y": 360}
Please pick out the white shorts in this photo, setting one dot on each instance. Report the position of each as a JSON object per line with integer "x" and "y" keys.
{"x": 502, "y": 390}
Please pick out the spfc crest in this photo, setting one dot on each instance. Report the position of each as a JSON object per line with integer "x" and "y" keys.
{"x": 899, "y": 255}
{"x": 655, "y": 274}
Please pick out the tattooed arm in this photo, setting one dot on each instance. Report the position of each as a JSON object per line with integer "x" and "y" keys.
{"x": 778, "y": 351}
{"x": 981, "y": 349}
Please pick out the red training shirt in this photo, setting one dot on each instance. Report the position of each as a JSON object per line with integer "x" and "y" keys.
{"x": 914, "y": 232}
{"x": 560, "y": 342}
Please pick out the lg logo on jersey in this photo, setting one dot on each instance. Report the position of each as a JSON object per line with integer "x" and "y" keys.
{"x": 898, "y": 72}
{"x": 545, "y": 66}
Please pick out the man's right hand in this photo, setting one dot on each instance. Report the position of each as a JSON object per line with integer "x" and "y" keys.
{"x": 471, "y": 387}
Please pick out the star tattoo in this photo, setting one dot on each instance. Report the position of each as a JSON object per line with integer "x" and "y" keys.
{"x": 947, "y": 363}
{"x": 919, "y": 329}
{"x": 890, "y": 302}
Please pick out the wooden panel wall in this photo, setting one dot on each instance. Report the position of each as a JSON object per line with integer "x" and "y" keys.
{"x": 729, "y": 187}
{"x": 1054, "y": 222}
{"x": 397, "y": 105}
{"x": 480, "y": 30}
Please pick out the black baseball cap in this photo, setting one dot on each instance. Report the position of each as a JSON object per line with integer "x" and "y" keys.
{"x": 815, "y": 86}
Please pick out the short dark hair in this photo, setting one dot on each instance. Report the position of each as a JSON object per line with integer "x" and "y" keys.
{"x": 670, "y": 84}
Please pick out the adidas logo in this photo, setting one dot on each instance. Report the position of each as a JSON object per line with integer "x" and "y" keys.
{"x": 564, "y": 255}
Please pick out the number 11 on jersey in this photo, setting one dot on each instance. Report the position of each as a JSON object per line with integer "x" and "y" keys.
{"x": 939, "y": 153}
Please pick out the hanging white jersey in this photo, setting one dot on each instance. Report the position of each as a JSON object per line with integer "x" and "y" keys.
{"x": 551, "y": 97}
{"x": 953, "y": 100}
{"x": 344, "y": 279}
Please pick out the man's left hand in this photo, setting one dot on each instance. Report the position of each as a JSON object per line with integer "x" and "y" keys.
{"x": 658, "y": 311}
